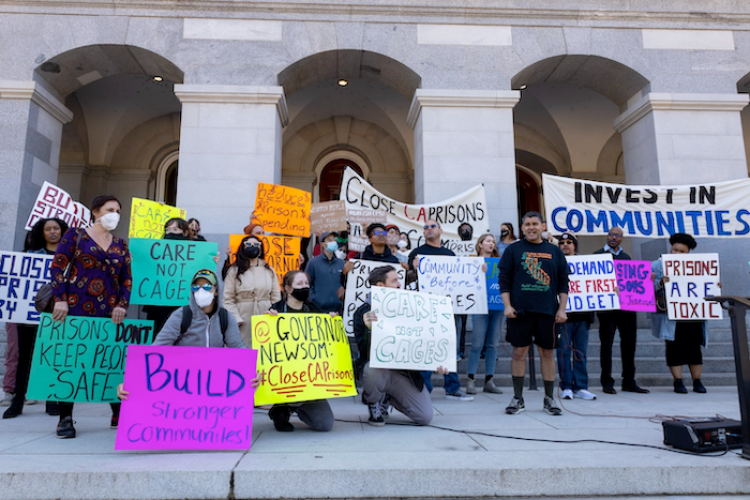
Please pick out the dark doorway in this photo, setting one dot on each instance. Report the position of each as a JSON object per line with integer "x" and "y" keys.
{"x": 330, "y": 178}
{"x": 170, "y": 185}
{"x": 528, "y": 193}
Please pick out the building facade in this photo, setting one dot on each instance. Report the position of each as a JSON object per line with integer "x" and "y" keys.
{"x": 194, "y": 102}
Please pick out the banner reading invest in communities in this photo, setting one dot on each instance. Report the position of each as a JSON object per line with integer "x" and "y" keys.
{"x": 21, "y": 276}
{"x": 717, "y": 210}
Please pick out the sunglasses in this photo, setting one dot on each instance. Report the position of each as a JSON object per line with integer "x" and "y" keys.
{"x": 378, "y": 232}
{"x": 207, "y": 287}
{"x": 430, "y": 226}
{"x": 252, "y": 243}
{"x": 566, "y": 242}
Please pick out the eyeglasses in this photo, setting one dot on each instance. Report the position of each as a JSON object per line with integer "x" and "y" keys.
{"x": 378, "y": 232}
{"x": 206, "y": 286}
{"x": 252, "y": 243}
{"x": 430, "y": 226}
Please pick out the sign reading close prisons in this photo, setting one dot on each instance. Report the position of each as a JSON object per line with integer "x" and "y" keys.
{"x": 281, "y": 252}
{"x": 21, "y": 276}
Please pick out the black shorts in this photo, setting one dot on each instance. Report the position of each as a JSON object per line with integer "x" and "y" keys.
{"x": 532, "y": 327}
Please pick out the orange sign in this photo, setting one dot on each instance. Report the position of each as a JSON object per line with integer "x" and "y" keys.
{"x": 283, "y": 209}
{"x": 281, "y": 252}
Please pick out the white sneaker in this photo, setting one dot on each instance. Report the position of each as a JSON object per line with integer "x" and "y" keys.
{"x": 566, "y": 394}
{"x": 30, "y": 402}
{"x": 459, "y": 396}
{"x": 584, "y": 394}
{"x": 7, "y": 399}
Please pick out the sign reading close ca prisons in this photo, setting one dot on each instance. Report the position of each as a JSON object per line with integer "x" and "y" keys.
{"x": 21, "y": 276}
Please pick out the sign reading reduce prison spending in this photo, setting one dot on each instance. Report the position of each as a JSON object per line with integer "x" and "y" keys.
{"x": 593, "y": 283}
{"x": 358, "y": 287}
{"x": 636, "y": 286}
{"x": 187, "y": 398}
{"x": 302, "y": 357}
{"x": 461, "y": 278}
{"x": 717, "y": 210}
{"x": 147, "y": 218}
{"x": 55, "y": 202}
{"x": 21, "y": 276}
{"x": 82, "y": 359}
{"x": 282, "y": 209}
{"x": 162, "y": 269}
{"x": 281, "y": 252}
{"x": 414, "y": 331}
{"x": 692, "y": 277}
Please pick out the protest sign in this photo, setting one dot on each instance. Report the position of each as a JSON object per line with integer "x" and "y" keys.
{"x": 282, "y": 209}
{"x": 82, "y": 359}
{"x": 187, "y": 398}
{"x": 692, "y": 277}
{"x": 461, "y": 278}
{"x": 414, "y": 331}
{"x": 468, "y": 207}
{"x": 281, "y": 252}
{"x": 328, "y": 216}
{"x": 635, "y": 285}
{"x": 147, "y": 218}
{"x": 21, "y": 276}
{"x": 707, "y": 210}
{"x": 593, "y": 283}
{"x": 162, "y": 269}
{"x": 358, "y": 222}
{"x": 302, "y": 357}
{"x": 357, "y": 287}
{"x": 494, "y": 300}
{"x": 55, "y": 202}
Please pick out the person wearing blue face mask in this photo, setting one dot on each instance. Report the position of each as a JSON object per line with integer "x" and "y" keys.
{"x": 325, "y": 274}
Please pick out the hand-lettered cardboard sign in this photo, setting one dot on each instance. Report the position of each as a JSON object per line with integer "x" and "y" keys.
{"x": 692, "y": 277}
{"x": 414, "y": 331}
{"x": 328, "y": 216}
{"x": 302, "y": 357}
{"x": 55, "y": 202}
{"x": 187, "y": 398}
{"x": 635, "y": 285}
{"x": 82, "y": 359}
{"x": 282, "y": 210}
{"x": 147, "y": 218}
{"x": 461, "y": 278}
{"x": 593, "y": 283}
{"x": 281, "y": 252}
{"x": 494, "y": 299}
{"x": 162, "y": 269}
{"x": 21, "y": 276}
{"x": 357, "y": 287}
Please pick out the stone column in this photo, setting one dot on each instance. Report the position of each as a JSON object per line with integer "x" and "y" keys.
{"x": 230, "y": 139}
{"x": 31, "y": 121}
{"x": 463, "y": 138}
{"x": 676, "y": 139}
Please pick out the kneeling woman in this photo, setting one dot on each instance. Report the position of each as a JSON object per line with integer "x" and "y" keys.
{"x": 316, "y": 414}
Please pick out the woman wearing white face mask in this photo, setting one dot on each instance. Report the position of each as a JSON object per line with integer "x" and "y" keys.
{"x": 96, "y": 284}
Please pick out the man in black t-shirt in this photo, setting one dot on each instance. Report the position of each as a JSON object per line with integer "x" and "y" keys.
{"x": 534, "y": 287}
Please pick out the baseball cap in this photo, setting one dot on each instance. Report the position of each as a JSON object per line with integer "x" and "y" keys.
{"x": 206, "y": 274}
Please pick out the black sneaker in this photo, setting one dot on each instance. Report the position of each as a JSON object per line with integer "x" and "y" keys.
{"x": 65, "y": 429}
{"x": 114, "y": 421}
{"x": 551, "y": 407}
{"x": 698, "y": 386}
{"x": 280, "y": 417}
{"x": 376, "y": 415}
{"x": 516, "y": 406}
{"x": 52, "y": 408}
{"x": 679, "y": 386}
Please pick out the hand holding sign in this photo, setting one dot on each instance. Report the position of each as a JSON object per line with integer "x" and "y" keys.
{"x": 282, "y": 209}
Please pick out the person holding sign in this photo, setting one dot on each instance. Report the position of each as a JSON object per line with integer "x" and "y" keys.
{"x": 316, "y": 414}
{"x": 251, "y": 286}
{"x": 325, "y": 274}
{"x": 91, "y": 277}
{"x": 683, "y": 338}
{"x": 534, "y": 287}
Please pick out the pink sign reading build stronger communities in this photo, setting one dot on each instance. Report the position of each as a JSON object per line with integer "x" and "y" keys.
{"x": 187, "y": 398}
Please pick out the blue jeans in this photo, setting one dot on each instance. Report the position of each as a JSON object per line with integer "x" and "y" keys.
{"x": 452, "y": 384}
{"x": 486, "y": 332}
{"x": 574, "y": 343}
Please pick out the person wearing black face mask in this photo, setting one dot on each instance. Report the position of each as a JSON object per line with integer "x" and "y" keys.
{"x": 465, "y": 231}
{"x": 316, "y": 414}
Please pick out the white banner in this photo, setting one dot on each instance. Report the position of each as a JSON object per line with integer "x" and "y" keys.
{"x": 55, "y": 202}
{"x": 21, "y": 276}
{"x": 692, "y": 276}
{"x": 703, "y": 210}
{"x": 461, "y": 278}
{"x": 414, "y": 331}
{"x": 593, "y": 283}
{"x": 357, "y": 287}
{"x": 469, "y": 206}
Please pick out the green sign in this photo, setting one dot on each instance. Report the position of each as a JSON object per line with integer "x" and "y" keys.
{"x": 162, "y": 269}
{"x": 81, "y": 359}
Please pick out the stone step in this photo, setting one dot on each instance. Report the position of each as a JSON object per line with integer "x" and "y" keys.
{"x": 655, "y": 348}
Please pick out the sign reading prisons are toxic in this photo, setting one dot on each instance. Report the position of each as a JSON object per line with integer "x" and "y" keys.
{"x": 162, "y": 269}
{"x": 187, "y": 398}
{"x": 147, "y": 218}
{"x": 21, "y": 276}
{"x": 302, "y": 357}
{"x": 82, "y": 359}
{"x": 586, "y": 207}
{"x": 414, "y": 331}
{"x": 280, "y": 252}
{"x": 461, "y": 278}
{"x": 282, "y": 209}
{"x": 635, "y": 285}
{"x": 55, "y": 202}
{"x": 593, "y": 283}
{"x": 357, "y": 287}
{"x": 692, "y": 277}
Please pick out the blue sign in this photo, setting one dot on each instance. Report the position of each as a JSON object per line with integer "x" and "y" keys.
{"x": 494, "y": 300}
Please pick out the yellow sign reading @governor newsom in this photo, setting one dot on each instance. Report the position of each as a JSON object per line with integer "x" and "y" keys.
{"x": 302, "y": 357}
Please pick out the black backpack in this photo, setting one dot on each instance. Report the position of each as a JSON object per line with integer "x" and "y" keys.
{"x": 187, "y": 318}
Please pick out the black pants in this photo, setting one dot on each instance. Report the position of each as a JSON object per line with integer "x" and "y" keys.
{"x": 26, "y": 339}
{"x": 625, "y": 322}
